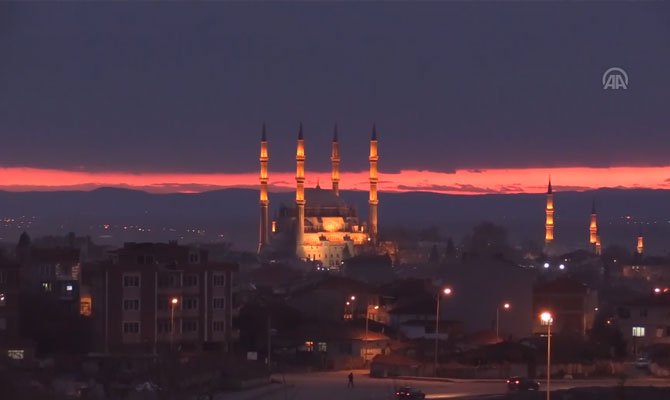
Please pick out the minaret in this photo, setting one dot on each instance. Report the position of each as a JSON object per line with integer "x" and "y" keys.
{"x": 300, "y": 194}
{"x": 640, "y": 244}
{"x": 593, "y": 227}
{"x": 374, "y": 157}
{"x": 549, "y": 225}
{"x": 599, "y": 247}
{"x": 335, "y": 159}
{"x": 264, "y": 201}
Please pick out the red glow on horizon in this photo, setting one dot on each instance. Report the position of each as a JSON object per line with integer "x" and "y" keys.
{"x": 469, "y": 182}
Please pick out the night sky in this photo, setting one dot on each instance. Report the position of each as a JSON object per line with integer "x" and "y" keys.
{"x": 167, "y": 90}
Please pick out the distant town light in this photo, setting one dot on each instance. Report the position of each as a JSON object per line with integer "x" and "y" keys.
{"x": 506, "y": 306}
{"x": 68, "y": 288}
{"x": 447, "y": 291}
{"x": 353, "y": 298}
{"x": 562, "y": 266}
{"x": 546, "y": 265}
{"x": 657, "y": 290}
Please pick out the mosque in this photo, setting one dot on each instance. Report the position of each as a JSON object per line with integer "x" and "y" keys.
{"x": 320, "y": 226}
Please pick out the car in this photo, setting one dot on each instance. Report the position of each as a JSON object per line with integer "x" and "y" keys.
{"x": 518, "y": 383}
{"x": 408, "y": 392}
{"x": 642, "y": 362}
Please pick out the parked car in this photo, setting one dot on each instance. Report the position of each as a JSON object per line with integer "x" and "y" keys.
{"x": 410, "y": 393}
{"x": 518, "y": 383}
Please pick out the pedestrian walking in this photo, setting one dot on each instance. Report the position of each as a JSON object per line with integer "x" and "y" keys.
{"x": 351, "y": 380}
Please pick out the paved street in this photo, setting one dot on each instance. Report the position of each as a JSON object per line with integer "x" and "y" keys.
{"x": 333, "y": 386}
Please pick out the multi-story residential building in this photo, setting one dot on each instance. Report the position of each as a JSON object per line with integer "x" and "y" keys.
{"x": 9, "y": 306}
{"x": 155, "y": 297}
{"x": 572, "y": 305}
{"x": 645, "y": 321}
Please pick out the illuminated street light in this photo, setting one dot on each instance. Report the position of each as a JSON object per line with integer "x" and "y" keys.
{"x": 657, "y": 290}
{"x": 562, "y": 266}
{"x": 174, "y": 301}
{"x": 353, "y": 298}
{"x": 546, "y": 265}
{"x": 447, "y": 291}
{"x": 548, "y": 319}
{"x": 505, "y": 306}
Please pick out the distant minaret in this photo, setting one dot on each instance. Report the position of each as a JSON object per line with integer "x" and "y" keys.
{"x": 549, "y": 225}
{"x": 593, "y": 227}
{"x": 300, "y": 194}
{"x": 374, "y": 157}
{"x": 640, "y": 244}
{"x": 264, "y": 201}
{"x": 335, "y": 159}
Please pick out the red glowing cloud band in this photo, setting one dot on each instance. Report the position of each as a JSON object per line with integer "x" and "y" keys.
{"x": 485, "y": 181}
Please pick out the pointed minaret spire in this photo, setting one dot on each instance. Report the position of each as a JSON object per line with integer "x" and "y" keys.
{"x": 335, "y": 162}
{"x": 593, "y": 227}
{"x": 300, "y": 194}
{"x": 373, "y": 200}
{"x": 264, "y": 236}
{"x": 549, "y": 221}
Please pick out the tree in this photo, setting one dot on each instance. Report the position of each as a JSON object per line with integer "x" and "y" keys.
{"x": 489, "y": 240}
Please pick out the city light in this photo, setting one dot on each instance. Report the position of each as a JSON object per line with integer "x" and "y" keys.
{"x": 657, "y": 290}
{"x": 546, "y": 265}
{"x": 447, "y": 291}
{"x": 174, "y": 301}
{"x": 546, "y": 317}
{"x": 562, "y": 266}
{"x": 506, "y": 306}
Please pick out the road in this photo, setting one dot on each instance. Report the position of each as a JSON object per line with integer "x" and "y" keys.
{"x": 333, "y": 386}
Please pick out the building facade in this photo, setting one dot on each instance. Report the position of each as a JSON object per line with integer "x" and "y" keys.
{"x": 158, "y": 297}
{"x": 571, "y": 303}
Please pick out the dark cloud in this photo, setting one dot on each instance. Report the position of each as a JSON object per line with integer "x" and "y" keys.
{"x": 186, "y": 86}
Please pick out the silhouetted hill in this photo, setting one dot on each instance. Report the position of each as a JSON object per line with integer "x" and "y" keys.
{"x": 231, "y": 214}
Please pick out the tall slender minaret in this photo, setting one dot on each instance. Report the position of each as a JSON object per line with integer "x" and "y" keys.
{"x": 374, "y": 157}
{"x": 640, "y": 244}
{"x": 264, "y": 201}
{"x": 335, "y": 159}
{"x": 593, "y": 227}
{"x": 549, "y": 225}
{"x": 300, "y": 194}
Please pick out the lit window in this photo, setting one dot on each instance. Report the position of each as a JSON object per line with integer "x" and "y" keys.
{"x": 309, "y": 346}
{"x": 638, "y": 331}
{"x": 46, "y": 286}
{"x": 15, "y": 354}
{"x": 3, "y": 300}
{"x": 322, "y": 347}
{"x": 69, "y": 288}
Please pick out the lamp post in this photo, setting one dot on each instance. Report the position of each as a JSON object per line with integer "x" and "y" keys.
{"x": 548, "y": 319}
{"x": 505, "y": 307}
{"x": 447, "y": 292}
{"x": 367, "y": 319}
{"x": 174, "y": 301}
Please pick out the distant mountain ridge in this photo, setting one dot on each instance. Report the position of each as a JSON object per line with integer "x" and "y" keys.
{"x": 233, "y": 213}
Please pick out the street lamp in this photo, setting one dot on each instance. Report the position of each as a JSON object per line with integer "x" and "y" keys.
{"x": 367, "y": 318}
{"x": 174, "y": 301}
{"x": 447, "y": 292}
{"x": 548, "y": 319}
{"x": 505, "y": 307}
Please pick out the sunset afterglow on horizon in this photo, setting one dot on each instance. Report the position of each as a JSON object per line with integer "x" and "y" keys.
{"x": 467, "y": 182}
